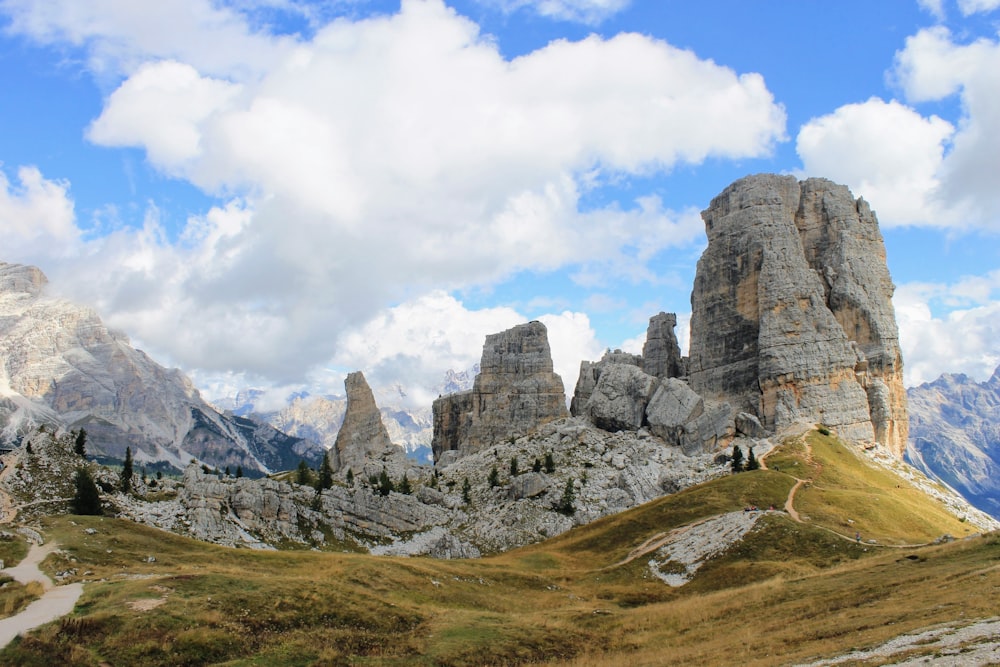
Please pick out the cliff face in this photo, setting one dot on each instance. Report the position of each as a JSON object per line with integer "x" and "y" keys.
{"x": 60, "y": 365}
{"x": 516, "y": 390}
{"x": 792, "y": 316}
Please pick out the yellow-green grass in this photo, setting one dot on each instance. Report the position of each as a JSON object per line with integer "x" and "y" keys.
{"x": 787, "y": 593}
{"x": 849, "y": 495}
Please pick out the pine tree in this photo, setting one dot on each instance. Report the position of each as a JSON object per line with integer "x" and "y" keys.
{"x": 513, "y": 466}
{"x": 80, "y": 445}
{"x": 752, "y": 463}
{"x": 239, "y": 471}
{"x": 302, "y": 474}
{"x": 737, "y": 459}
{"x": 550, "y": 464}
{"x": 494, "y": 478}
{"x": 404, "y": 485}
{"x": 385, "y": 486}
{"x": 325, "y": 480}
{"x": 126, "y": 476}
{"x": 87, "y": 499}
{"x": 536, "y": 466}
{"x": 568, "y": 496}
{"x": 466, "y": 491}
{"x": 228, "y": 474}
{"x": 350, "y": 477}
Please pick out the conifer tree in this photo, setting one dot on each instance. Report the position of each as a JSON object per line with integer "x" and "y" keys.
{"x": 239, "y": 471}
{"x": 385, "y": 486}
{"x": 568, "y": 496}
{"x": 87, "y": 499}
{"x": 228, "y": 474}
{"x": 550, "y": 464}
{"x": 350, "y": 477}
{"x": 752, "y": 463}
{"x": 80, "y": 444}
{"x": 325, "y": 480}
{"x": 126, "y": 476}
{"x": 513, "y": 466}
{"x": 536, "y": 466}
{"x": 737, "y": 459}
{"x": 466, "y": 491}
{"x": 494, "y": 478}
{"x": 404, "y": 485}
{"x": 302, "y": 474}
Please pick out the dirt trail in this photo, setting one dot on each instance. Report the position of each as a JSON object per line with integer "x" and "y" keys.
{"x": 55, "y": 602}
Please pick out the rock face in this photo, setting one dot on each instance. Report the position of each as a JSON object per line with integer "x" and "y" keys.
{"x": 661, "y": 355}
{"x": 60, "y": 365}
{"x": 955, "y": 436}
{"x": 516, "y": 391}
{"x": 362, "y": 435}
{"x": 792, "y": 316}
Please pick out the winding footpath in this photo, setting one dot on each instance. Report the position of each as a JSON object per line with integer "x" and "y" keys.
{"x": 55, "y": 602}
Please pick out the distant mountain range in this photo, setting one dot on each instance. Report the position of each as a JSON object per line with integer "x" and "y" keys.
{"x": 318, "y": 418}
{"x": 955, "y": 436}
{"x": 61, "y": 366}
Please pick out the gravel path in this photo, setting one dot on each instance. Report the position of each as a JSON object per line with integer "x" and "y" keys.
{"x": 55, "y": 602}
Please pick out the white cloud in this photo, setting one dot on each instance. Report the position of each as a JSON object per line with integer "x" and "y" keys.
{"x": 888, "y": 153}
{"x": 414, "y": 343}
{"x": 968, "y": 7}
{"x": 965, "y": 338}
{"x": 916, "y": 169}
{"x": 933, "y": 67}
{"x": 590, "y": 12}
{"x": 377, "y": 160}
{"x": 36, "y": 216}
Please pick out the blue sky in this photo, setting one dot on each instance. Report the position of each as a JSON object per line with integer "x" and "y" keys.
{"x": 272, "y": 193}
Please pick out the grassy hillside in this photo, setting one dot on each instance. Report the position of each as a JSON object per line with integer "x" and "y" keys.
{"x": 788, "y": 592}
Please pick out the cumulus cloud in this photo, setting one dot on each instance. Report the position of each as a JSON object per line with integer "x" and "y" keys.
{"x": 886, "y": 152}
{"x": 920, "y": 169}
{"x": 966, "y": 339}
{"x": 932, "y": 67}
{"x": 374, "y": 161}
{"x": 36, "y": 216}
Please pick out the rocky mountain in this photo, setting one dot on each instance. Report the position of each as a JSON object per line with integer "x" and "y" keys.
{"x": 955, "y": 436}
{"x": 60, "y": 365}
{"x": 515, "y": 391}
{"x": 792, "y": 315}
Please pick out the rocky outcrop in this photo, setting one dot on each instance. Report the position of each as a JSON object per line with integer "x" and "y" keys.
{"x": 362, "y": 435}
{"x": 791, "y": 312}
{"x": 955, "y": 436}
{"x": 618, "y": 402}
{"x": 59, "y": 364}
{"x": 661, "y": 354}
{"x": 590, "y": 374}
{"x": 516, "y": 391}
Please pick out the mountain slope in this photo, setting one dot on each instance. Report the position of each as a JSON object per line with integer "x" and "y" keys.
{"x": 955, "y": 436}
{"x": 59, "y": 364}
{"x": 785, "y": 592}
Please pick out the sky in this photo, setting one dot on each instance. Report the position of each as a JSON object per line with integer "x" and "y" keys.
{"x": 273, "y": 193}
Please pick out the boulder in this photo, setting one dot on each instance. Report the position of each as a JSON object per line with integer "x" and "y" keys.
{"x": 619, "y": 400}
{"x": 673, "y": 405}
{"x": 590, "y": 373}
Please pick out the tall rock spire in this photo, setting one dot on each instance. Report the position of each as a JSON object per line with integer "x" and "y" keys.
{"x": 792, "y": 316}
{"x": 362, "y": 435}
